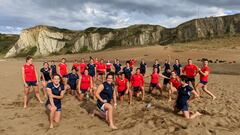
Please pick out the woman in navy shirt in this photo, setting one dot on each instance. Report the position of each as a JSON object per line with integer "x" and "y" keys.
{"x": 183, "y": 98}
{"x": 55, "y": 91}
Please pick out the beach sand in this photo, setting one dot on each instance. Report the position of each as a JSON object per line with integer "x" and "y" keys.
{"x": 220, "y": 117}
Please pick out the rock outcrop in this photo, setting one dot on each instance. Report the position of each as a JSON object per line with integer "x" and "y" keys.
{"x": 51, "y": 40}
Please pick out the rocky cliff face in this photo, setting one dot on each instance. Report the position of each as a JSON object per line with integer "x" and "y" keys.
{"x": 45, "y": 40}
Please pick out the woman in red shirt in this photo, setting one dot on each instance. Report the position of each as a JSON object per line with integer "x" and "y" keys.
{"x": 122, "y": 86}
{"x": 137, "y": 84}
{"x": 155, "y": 81}
{"x": 101, "y": 69}
{"x": 204, "y": 73}
{"x": 62, "y": 70}
{"x": 30, "y": 79}
{"x": 85, "y": 85}
{"x": 174, "y": 85}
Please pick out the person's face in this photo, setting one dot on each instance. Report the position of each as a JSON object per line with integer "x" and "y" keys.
{"x": 155, "y": 70}
{"x": 189, "y": 61}
{"x": 63, "y": 60}
{"x": 56, "y": 80}
{"x": 30, "y": 61}
{"x": 82, "y": 60}
{"x": 85, "y": 72}
{"x": 101, "y": 61}
{"x": 156, "y": 62}
{"x": 205, "y": 63}
{"x": 45, "y": 65}
{"x": 91, "y": 60}
{"x": 173, "y": 74}
{"x": 138, "y": 71}
{"x": 176, "y": 61}
{"x": 110, "y": 78}
{"x": 122, "y": 76}
{"x": 74, "y": 71}
{"x": 127, "y": 64}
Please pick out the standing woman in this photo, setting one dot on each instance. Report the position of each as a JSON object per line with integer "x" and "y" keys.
{"x": 85, "y": 85}
{"x": 72, "y": 81}
{"x": 122, "y": 86}
{"x": 92, "y": 69}
{"x": 127, "y": 71}
{"x": 30, "y": 79}
{"x": 53, "y": 68}
{"x": 101, "y": 70}
{"x": 143, "y": 67}
{"x": 55, "y": 91}
{"x": 177, "y": 67}
{"x": 157, "y": 65}
{"x": 117, "y": 66}
{"x": 105, "y": 93}
{"x": 62, "y": 70}
{"x": 137, "y": 83}
{"x": 108, "y": 66}
{"x": 45, "y": 76}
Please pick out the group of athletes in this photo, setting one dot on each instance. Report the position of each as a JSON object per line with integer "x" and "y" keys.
{"x": 106, "y": 82}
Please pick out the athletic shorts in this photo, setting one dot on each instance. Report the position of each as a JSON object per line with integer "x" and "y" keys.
{"x": 136, "y": 89}
{"x": 153, "y": 85}
{"x": 101, "y": 73}
{"x": 83, "y": 91}
{"x": 190, "y": 79}
{"x": 166, "y": 81}
{"x": 203, "y": 82}
{"x": 101, "y": 106}
{"x": 182, "y": 107}
{"x": 108, "y": 70}
{"x": 31, "y": 83}
{"x": 73, "y": 86}
{"x": 121, "y": 93}
{"x": 92, "y": 74}
{"x": 59, "y": 107}
{"x": 65, "y": 76}
{"x": 143, "y": 72}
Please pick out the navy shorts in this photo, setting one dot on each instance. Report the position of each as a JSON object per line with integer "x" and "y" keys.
{"x": 73, "y": 86}
{"x": 122, "y": 93}
{"x": 83, "y": 91}
{"x": 182, "y": 107}
{"x": 31, "y": 83}
{"x": 190, "y": 79}
{"x": 59, "y": 107}
{"x": 203, "y": 82}
{"x": 91, "y": 74}
{"x": 101, "y": 73}
{"x": 136, "y": 89}
{"x": 153, "y": 85}
{"x": 166, "y": 81}
{"x": 65, "y": 76}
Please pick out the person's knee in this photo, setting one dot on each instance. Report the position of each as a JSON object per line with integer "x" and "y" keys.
{"x": 53, "y": 108}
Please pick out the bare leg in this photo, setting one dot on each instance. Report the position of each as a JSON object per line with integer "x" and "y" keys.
{"x": 208, "y": 92}
{"x": 36, "y": 89}
{"x": 109, "y": 108}
{"x": 51, "y": 115}
{"x": 130, "y": 96}
{"x": 143, "y": 93}
{"x": 57, "y": 116}
{"x": 199, "y": 85}
{"x": 25, "y": 98}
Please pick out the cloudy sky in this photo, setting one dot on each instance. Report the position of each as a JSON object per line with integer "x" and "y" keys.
{"x": 16, "y": 15}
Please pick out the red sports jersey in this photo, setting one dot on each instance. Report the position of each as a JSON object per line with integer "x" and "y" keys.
{"x": 108, "y": 65}
{"x": 155, "y": 78}
{"x": 85, "y": 82}
{"x": 121, "y": 84}
{"x": 101, "y": 67}
{"x": 82, "y": 67}
{"x": 76, "y": 65}
{"x": 137, "y": 80}
{"x": 175, "y": 82}
{"x": 63, "y": 69}
{"x": 96, "y": 62}
{"x": 202, "y": 77}
{"x": 190, "y": 70}
{"x": 30, "y": 73}
{"x": 131, "y": 63}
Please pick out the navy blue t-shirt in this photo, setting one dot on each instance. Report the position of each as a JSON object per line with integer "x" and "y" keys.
{"x": 143, "y": 66}
{"x": 54, "y": 69}
{"x": 177, "y": 69}
{"x": 72, "y": 78}
{"x": 57, "y": 92}
{"x": 91, "y": 69}
{"x": 127, "y": 72}
{"x": 46, "y": 73}
{"x": 157, "y": 66}
{"x": 184, "y": 94}
{"x": 117, "y": 67}
{"x": 166, "y": 66}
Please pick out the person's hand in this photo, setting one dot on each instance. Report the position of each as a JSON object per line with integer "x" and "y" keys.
{"x": 25, "y": 84}
{"x": 104, "y": 101}
{"x": 115, "y": 105}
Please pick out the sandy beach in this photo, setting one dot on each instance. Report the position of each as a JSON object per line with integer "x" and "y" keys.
{"x": 220, "y": 117}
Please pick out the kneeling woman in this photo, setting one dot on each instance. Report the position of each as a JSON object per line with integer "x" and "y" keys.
{"x": 85, "y": 85}
{"x": 122, "y": 86}
{"x": 55, "y": 91}
{"x": 105, "y": 93}
{"x": 183, "y": 98}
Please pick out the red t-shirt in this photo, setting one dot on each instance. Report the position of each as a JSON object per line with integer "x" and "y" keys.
{"x": 108, "y": 65}
{"x": 190, "y": 70}
{"x": 155, "y": 78}
{"x": 202, "y": 77}
{"x": 63, "y": 69}
{"x": 121, "y": 84}
{"x": 30, "y": 73}
{"x": 101, "y": 67}
{"x": 96, "y": 62}
{"x": 82, "y": 67}
{"x": 85, "y": 82}
{"x": 131, "y": 63}
{"x": 76, "y": 65}
{"x": 137, "y": 80}
{"x": 175, "y": 82}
